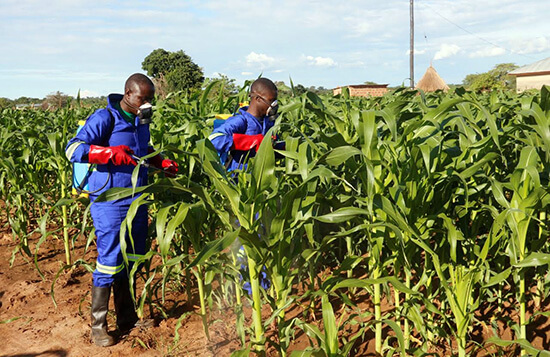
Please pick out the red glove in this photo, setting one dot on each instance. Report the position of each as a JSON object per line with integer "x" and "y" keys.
{"x": 245, "y": 142}
{"x": 119, "y": 155}
{"x": 167, "y": 165}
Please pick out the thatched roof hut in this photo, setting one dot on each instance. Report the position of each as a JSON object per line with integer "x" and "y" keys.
{"x": 431, "y": 81}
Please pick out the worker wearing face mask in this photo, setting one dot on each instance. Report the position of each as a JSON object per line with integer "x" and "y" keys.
{"x": 240, "y": 135}
{"x": 111, "y": 138}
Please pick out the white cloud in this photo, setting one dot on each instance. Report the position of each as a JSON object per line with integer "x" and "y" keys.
{"x": 85, "y": 93}
{"x": 260, "y": 60}
{"x": 94, "y": 45}
{"x": 321, "y": 61}
{"x": 488, "y": 52}
{"x": 360, "y": 28}
{"x": 536, "y": 45}
{"x": 353, "y": 64}
{"x": 446, "y": 51}
{"x": 416, "y": 52}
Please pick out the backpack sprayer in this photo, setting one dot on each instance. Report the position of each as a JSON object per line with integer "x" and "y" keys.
{"x": 81, "y": 173}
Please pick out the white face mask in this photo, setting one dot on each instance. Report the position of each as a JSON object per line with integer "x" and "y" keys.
{"x": 271, "y": 112}
{"x": 145, "y": 112}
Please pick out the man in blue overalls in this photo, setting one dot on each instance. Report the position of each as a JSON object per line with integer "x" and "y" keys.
{"x": 240, "y": 136}
{"x": 109, "y": 138}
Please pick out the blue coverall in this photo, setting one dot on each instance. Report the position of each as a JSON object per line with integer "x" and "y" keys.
{"x": 222, "y": 139}
{"x": 241, "y": 123}
{"x": 108, "y": 216}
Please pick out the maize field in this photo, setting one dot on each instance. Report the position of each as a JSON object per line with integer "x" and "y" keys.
{"x": 405, "y": 222}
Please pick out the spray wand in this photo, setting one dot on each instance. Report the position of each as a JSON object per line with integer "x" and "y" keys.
{"x": 149, "y": 166}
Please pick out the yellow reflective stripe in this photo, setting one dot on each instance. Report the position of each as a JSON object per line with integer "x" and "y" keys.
{"x": 71, "y": 149}
{"x": 111, "y": 270}
{"x": 215, "y": 135}
{"x": 134, "y": 257}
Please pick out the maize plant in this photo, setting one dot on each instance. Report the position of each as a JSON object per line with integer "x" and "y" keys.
{"x": 431, "y": 206}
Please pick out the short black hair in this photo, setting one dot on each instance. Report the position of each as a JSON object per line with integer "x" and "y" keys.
{"x": 139, "y": 80}
{"x": 262, "y": 85}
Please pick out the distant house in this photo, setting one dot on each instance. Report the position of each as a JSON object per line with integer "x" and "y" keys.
{"x": 364, "y": 90}
{"x": 28, "y": 106}
{"x": 431, "y": 81}
{"x": 532, "y": 76}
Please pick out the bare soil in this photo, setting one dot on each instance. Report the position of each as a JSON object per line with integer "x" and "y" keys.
{"x": 31, "y": 324}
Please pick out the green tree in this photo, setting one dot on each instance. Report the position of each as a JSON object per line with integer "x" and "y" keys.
{"x": 5, "y": 103}
{"x": 27, "y": 100}
{"x": 299, "y": 89}
{"x": 56, "y": 100}
{"x": 496, "y": 78}
{"x": 94, "y": 101}
{"x": 172, "y": 71}
{"x": 319, "y": 90}
{"x": 227, "y": 86}
{"x": 282, "y": 88}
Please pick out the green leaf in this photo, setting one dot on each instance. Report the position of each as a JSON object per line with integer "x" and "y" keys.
{"x": 342, "y": 215}
{"x": 524, "y": 344}
{"x": 339, "y": 155}
{"x": 534, "y": 260}
{"x": 498, "y": 278}
{"x": 478, "y": 165}
{"x": 263, "y": 170}
{"x": 398, "y": 334}
{"x": 331, "y": 329}
{"x": 365, "y": 283}
{"x": 214, "y": 247}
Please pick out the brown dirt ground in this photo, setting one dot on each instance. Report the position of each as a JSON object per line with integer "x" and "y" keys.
{"x": 31, "y": 325}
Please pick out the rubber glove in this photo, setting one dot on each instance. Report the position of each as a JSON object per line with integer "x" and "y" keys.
{"x": 167, "y": 165}
{"x": 245, "y": 142}
{"x": 118, "y": 155}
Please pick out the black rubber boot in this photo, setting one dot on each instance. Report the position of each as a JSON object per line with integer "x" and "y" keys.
{"x": 100, "y": 307}
{"x": 126, "y": 317}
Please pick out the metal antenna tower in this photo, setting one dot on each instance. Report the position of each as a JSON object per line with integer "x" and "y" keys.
{"x": 411, "y": 52}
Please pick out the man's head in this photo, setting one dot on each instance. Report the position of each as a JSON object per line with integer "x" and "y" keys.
{"x": 263, "y": 98}
{"x": 138, "y": 90}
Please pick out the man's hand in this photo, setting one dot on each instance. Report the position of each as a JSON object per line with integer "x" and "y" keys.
{"x": 170, "y": 167}
{"x": 118, "y": 155}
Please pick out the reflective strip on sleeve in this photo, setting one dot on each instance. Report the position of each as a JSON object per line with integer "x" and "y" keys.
{"x": 134, "y": 257}
{"x": 215, "y": 135}
{"x": 110, "y": 270}
{"x": 71, "y": 149}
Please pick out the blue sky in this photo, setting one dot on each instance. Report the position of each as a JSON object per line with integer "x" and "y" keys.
{"x": 95, "y": 45}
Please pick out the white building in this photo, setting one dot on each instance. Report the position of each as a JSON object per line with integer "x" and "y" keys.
{"x": 532, "y": 76}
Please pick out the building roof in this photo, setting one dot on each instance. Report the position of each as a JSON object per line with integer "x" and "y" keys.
{"x": 431, "y": 81}
{"x": 541, "y": 66}
{"x": 364, "y": 86}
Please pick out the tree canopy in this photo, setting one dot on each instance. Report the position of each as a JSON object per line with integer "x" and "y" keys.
{"x": 56, "y": 100}
{"x": 172, "y": 71}
{"x": 496, "y": 78}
